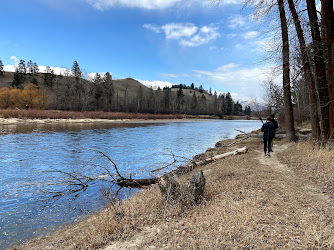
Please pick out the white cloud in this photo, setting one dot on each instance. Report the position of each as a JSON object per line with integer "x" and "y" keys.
{"x": 178, "y": 30}
{"x": 237, "y": 21}
{"x": 15, "y": 61}
{"x": 9, "y": 68}
{"x": 57, "y": 70}
{"x": 152, "y": 27}
{"x": 143, "y": 4}
{"x": 13, "y": 66}
{"x": 244, "y": 82}
{"x": 251, "y": 35}
{"x": 151, "y": 4}
{"x": 91, "y": 76}
{"x": 155, "y": 84}
{"x": 205, "y": 35}
{"x": 169, "y": 75}
{"x": 187, "y": 34}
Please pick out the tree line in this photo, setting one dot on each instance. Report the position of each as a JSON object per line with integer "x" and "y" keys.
{"x": 70, "y": 91}
{"x": 306, "y": 53}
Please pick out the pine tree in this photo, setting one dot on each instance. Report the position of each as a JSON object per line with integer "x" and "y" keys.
{"x": 76, "y": 71}
{"x": 49, "y": 77}
{"x": 229, "y": 104}
{"x": 18, "y": 79}
{"x": 107, "y": 91}
{"x": 179, "y": 99}
{"x": 194, "y": 103}
{"x": 192, "y": 86}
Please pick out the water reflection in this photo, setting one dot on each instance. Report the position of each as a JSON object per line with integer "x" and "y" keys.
{"x": 28, "y": 154}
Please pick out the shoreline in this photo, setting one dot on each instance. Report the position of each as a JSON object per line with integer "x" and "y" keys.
{"x": 209, "y": 152}
{"x": 17, "y": 121}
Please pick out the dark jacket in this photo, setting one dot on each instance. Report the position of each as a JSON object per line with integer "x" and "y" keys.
{"x": 276, "y": 126}
{"x": 268, "y": 129}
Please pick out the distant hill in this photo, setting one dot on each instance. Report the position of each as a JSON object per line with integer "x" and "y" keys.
{"x": 128, "y": 95}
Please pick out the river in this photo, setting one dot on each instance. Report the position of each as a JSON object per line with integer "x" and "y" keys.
{"x": 31, "y": 155}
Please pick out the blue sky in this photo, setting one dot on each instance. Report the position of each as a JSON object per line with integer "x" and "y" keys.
{"x": 158, "y": 42}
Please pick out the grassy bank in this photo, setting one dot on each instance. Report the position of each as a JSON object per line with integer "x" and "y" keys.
{"x": 250, "y": 202}
{"x": 55, "y": 114}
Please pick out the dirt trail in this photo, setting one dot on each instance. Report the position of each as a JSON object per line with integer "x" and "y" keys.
{"x": 276, "y": 165}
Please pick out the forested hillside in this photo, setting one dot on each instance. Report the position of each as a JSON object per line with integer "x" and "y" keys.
{"x": 72, "y": 92}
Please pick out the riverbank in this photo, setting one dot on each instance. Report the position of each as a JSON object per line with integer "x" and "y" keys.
{"x": 17, "y": 116}
{"x": 249, "y": 201}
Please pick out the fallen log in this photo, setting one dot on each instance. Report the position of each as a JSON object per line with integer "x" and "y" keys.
{"x": 129, "y": 182}
{"x": 192, "y": 165}
{"x": 136, "y": 183}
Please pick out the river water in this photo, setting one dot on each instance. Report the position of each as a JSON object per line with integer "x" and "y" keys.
{"x": 33, "y": 156}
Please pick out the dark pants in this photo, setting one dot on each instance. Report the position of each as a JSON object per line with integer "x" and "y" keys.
{"x": 267, "y": 144}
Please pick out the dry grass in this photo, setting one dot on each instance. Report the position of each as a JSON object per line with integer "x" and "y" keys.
{"x": 248, "y": 204}
{"x": 54, "y": 114}
{"x": 315, "y": 165}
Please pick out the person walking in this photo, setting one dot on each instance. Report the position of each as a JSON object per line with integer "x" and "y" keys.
{"x": 268, "y": 129}
{"x": 276, "y": 127}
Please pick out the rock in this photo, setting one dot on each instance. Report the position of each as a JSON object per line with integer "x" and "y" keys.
{"x": 197, "y": 183}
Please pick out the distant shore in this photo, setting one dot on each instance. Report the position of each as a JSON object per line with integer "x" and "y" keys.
{"x": 13, "y": 116}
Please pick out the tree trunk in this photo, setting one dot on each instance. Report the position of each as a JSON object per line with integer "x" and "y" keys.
{"x": 327, "y": 10}
{"x": 289, "y": 121}
{"x": 308, "y": 74}
{"x": 320, "y": 69}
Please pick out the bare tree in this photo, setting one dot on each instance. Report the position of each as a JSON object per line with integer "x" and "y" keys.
{"x": 290, "y": 127}
{"x": 307, "y": 73}
{"x": 320, "y": 69}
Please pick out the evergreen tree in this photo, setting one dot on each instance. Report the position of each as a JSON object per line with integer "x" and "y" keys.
{"x": 201, "y": 90}
{"x": 107, "y": 91}
{"x": 167, "y": 99}
{"x": 203, "y": 104}
{"x": 247, "y": 110}
{"x": 193, "y": 105}
{"x": 1, "y": 68}
{"x": 237, "y": 108}
{"x": 49, "y": 77}
{"x": 18, "y": 79}
{"x": 98, "y": 92}
{"x": 76, "y": 71}
{"x": 192, "y": 86}
{"x": 179, "y": 99}
{"x": 229, "y": 104}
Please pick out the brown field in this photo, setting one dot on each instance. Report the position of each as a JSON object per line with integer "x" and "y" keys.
{"x": 55, "y": 114}
{"x": 282, "y": 202}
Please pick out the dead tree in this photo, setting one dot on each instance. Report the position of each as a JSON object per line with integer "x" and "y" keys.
{"x": 170, "y": 188}
{"x": 196, "y": 186}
